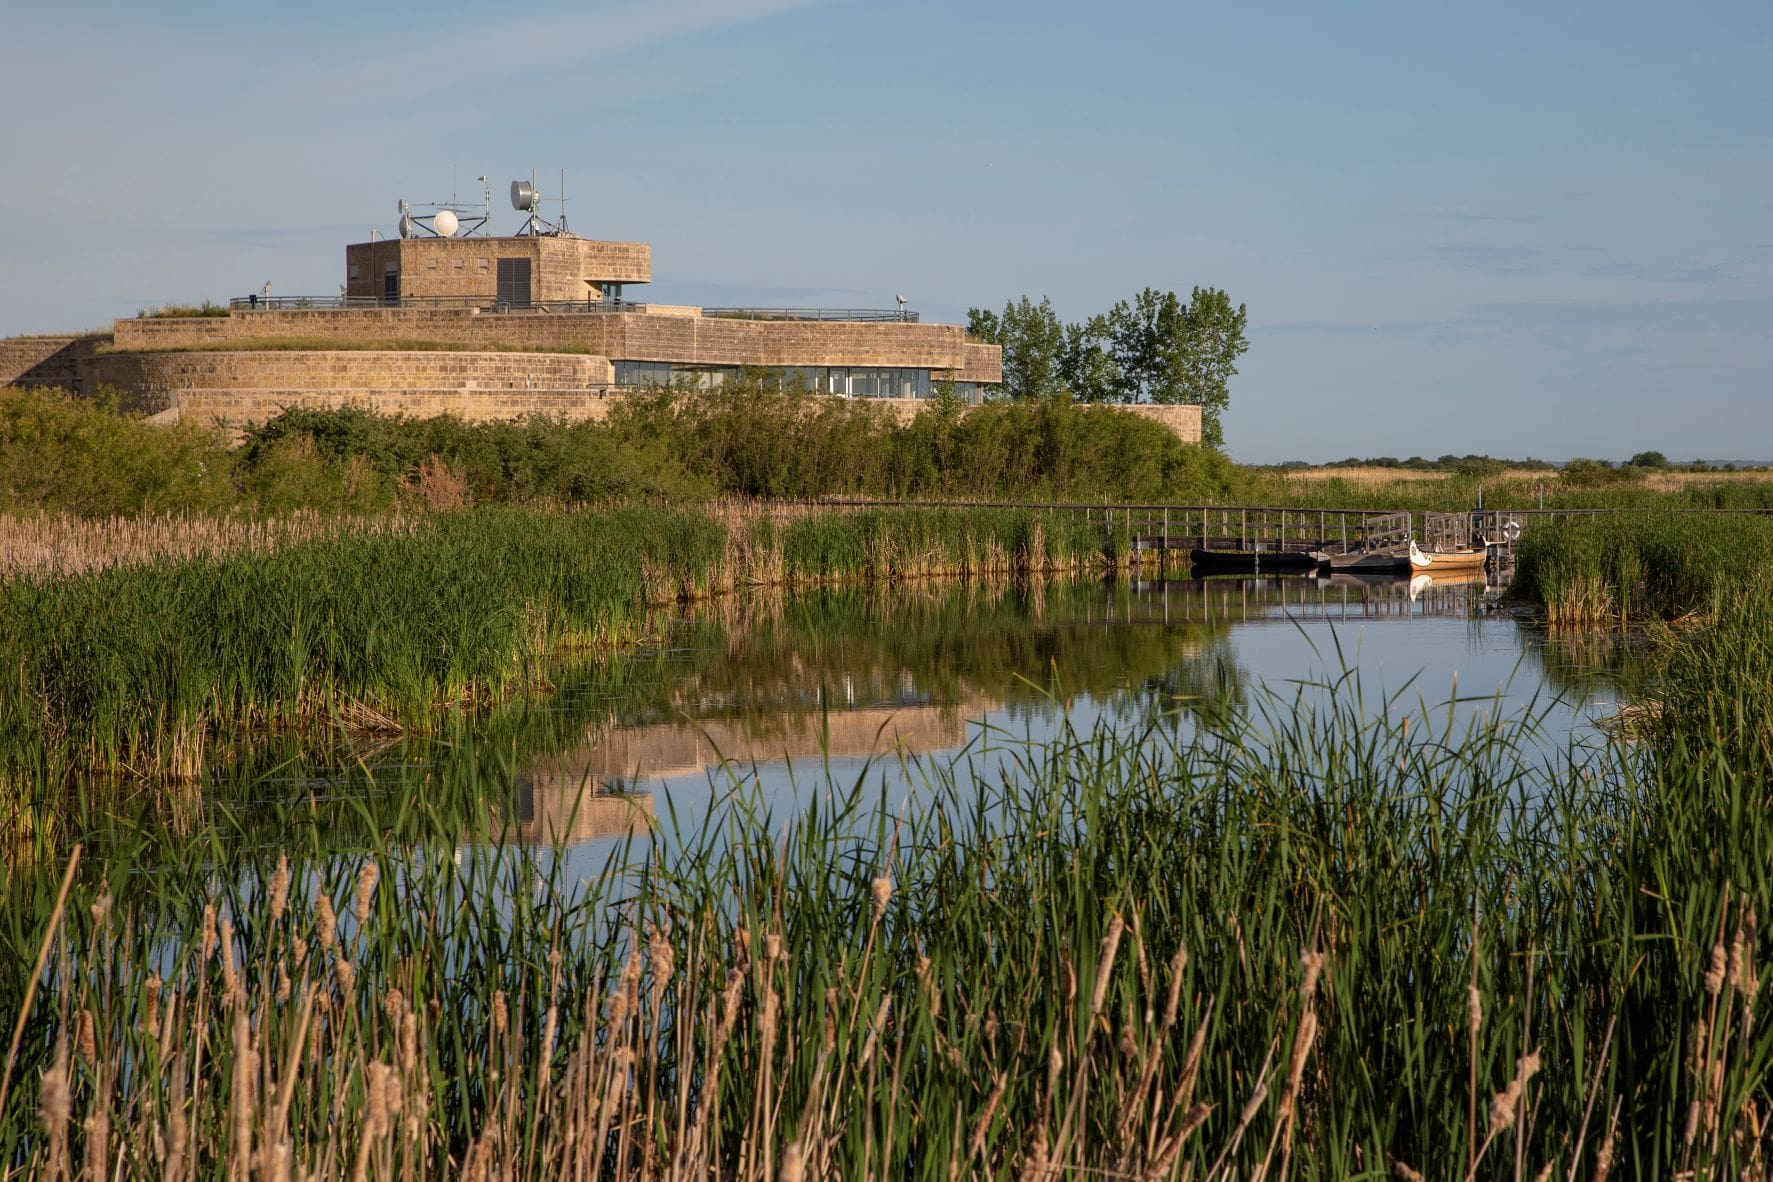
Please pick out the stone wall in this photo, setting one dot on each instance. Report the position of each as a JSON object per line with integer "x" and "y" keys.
{"x": 1183, "y": 420}
{"x": 213, "y": 387}
{"x": 46, "y": 361}
{"x": 638, "y": 336}
{"x": 560, "y": 268}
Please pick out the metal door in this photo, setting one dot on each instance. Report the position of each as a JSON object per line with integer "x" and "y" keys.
{"x": 514, "y": 282}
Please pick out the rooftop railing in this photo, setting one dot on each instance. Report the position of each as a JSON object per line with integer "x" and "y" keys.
{"x": 484, "y": 304}
{"x": 864, "y": 314}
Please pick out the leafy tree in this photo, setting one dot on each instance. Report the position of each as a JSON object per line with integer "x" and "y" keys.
{"x": 1649, "y": 459}
{"x": 1207, "y": 357}
{"x": 1032, "y": 340}
{"x": 1086, "y": 361}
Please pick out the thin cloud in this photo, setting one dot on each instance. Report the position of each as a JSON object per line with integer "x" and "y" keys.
{"x": 556, "y": 40}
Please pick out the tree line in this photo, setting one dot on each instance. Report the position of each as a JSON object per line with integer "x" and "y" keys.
{"x": 1152, "y": 348}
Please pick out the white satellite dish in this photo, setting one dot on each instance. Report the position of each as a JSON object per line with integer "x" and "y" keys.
{"x": 405, "y": 226}
{"x": 445, "y": 223}
{"x": 523, "y": 196}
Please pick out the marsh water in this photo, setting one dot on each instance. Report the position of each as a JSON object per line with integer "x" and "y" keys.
{"x": 787, "y": 695}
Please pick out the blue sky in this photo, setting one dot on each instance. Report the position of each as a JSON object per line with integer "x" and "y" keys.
{"x": 1513, "y": 228}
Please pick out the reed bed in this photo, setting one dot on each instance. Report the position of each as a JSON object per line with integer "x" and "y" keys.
{"x": 1613, "y": 570}
{"x": 1317, "y": 941}
{"x": 60, "y": 545}
{"x": 139, "y": 669}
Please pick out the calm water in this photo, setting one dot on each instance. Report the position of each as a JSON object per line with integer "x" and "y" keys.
{"x": 875, "y": 684}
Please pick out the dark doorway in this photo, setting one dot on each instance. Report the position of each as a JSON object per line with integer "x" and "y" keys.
{"x": 391, "y": 287}
{"x": 514, "y": 283}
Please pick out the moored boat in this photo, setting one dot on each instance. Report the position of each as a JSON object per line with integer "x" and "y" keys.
{"x": 1436, "y": 561}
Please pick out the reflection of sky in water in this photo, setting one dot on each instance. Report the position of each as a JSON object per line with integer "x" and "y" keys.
{"x": 1274, "y": 638}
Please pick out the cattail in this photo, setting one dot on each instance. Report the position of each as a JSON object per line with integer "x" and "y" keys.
{"x": 663, "y": 957}
{"x": 1503, "y": 1107}
{"x": 55, "y": 1103}
{"x": 1714, "y": 976}
{"x": 326, "y": 920}
{"x": 230, "y": 977}
{"x": 1474, "y": 1009}
{"x": 284, "y": 986}
{"x": 1313, "y": 965}
{"x": 346, "y": 974}
{"x": 101, "y": 908}
{"x": 500, "y": 1016}
{"x": 1405, "y": 1172}
{"x": 772, "y": 946}
{"x": 86, "y": 1039}
{"x": 394, "y": 1003}
{"x": 1105, "y": 969}
{"x": 1603, "y": 1161}
{"x": 280, "y": 888}
{"x": 209, "y": 935}
{"x": 882, "y": 889}
{"x": 151, "y": 1012}
{"x": 793, "y": 1163}
{"x": 409, "y": 1042}
{"x": 366, "y": 888}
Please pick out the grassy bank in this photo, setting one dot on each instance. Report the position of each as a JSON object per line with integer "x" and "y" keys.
{"x": 136, "y": 669}
{"x": 1324, "y": 945}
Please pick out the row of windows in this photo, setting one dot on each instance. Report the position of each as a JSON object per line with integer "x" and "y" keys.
{"x": 846, "y": 381}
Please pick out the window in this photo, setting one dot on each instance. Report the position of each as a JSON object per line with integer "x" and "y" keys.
{"x": 643, "y": 373}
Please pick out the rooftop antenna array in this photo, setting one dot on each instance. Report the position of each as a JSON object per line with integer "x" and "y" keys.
{"x": 447, "y": 219}
{"x": 527, "y": 199}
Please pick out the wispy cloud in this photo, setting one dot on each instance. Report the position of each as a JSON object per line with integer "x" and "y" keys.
{"x": 501, "y": 48}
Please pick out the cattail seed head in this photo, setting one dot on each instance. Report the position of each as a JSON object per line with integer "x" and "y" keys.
{"x": 1474, "y": 1008}
{"x": 101, "y": 908}
{"x": 280, "y": 887}
{"x": 1312, "y": 964}
{"x": 347, "y": 976}
{"x": 86, "y": 1038}
{"x": 151, "y": 1003}
{"x": 326, "y": 922}
{"x": 284, "y": 985}
{"x": 793, "y": 1164}
{"x": 209, "y": 934}
{"x": 1405, "y": 1172}
{"x": 54, "y": 1100}
{"x": 366, "y": 888}
{"x": 501, "y": 1017}
{"x": 882, "y": 890}
{"x": 1714, "y": 976}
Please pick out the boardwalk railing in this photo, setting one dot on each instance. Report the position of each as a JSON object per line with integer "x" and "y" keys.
{"x": 1281, "y": 530}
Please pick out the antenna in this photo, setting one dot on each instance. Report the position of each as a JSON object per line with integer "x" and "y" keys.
{"x": 442, "y": 219}
{"x": 527, "y": 199}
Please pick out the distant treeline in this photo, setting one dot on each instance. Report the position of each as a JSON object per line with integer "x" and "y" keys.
{"x": 742, "y": 440}
{"x": 1482, "y": 465}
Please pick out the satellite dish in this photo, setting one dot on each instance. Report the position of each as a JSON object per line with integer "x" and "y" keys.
{"x": 405, "y": 226}
{"x": 523, "y": 196}
{"x": 400, "y": 207}
{"x": 445, "y": 223}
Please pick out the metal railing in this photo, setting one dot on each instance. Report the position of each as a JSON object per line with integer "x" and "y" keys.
{"x": 490, "y": 304}
{"x": 868, "y": 315}
{"x": 479, "y": 303}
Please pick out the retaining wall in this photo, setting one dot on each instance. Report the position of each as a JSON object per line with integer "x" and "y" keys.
{"x": 46, "y": 361}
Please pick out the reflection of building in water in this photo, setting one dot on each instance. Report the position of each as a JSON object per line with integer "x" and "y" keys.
{"x": 595, "y": 790}
{"x": 565, "y": 805}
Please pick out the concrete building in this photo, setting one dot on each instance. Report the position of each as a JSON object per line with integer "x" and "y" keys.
{"x": 487, "y": 327}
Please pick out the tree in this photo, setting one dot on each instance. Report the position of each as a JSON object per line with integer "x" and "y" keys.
{"x": 1032, "y": 338}
{"x": 1086, "y": 363}
{"x": 1205, "y": 360}
{"x": 1649, "y": 459}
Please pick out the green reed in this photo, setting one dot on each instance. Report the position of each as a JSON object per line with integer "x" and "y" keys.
{"x": 1328, "y": 936}
{"x": 1619, "y": 568}
{"x": 139, "y": 670}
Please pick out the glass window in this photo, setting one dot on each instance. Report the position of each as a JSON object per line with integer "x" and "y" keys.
{"x": 864, "y": 383}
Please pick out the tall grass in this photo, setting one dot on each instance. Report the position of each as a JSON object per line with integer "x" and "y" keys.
{"x": 1616, "y": 569}
{"x": 138, "y": 669}
{"x": 1322, "y": 942}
